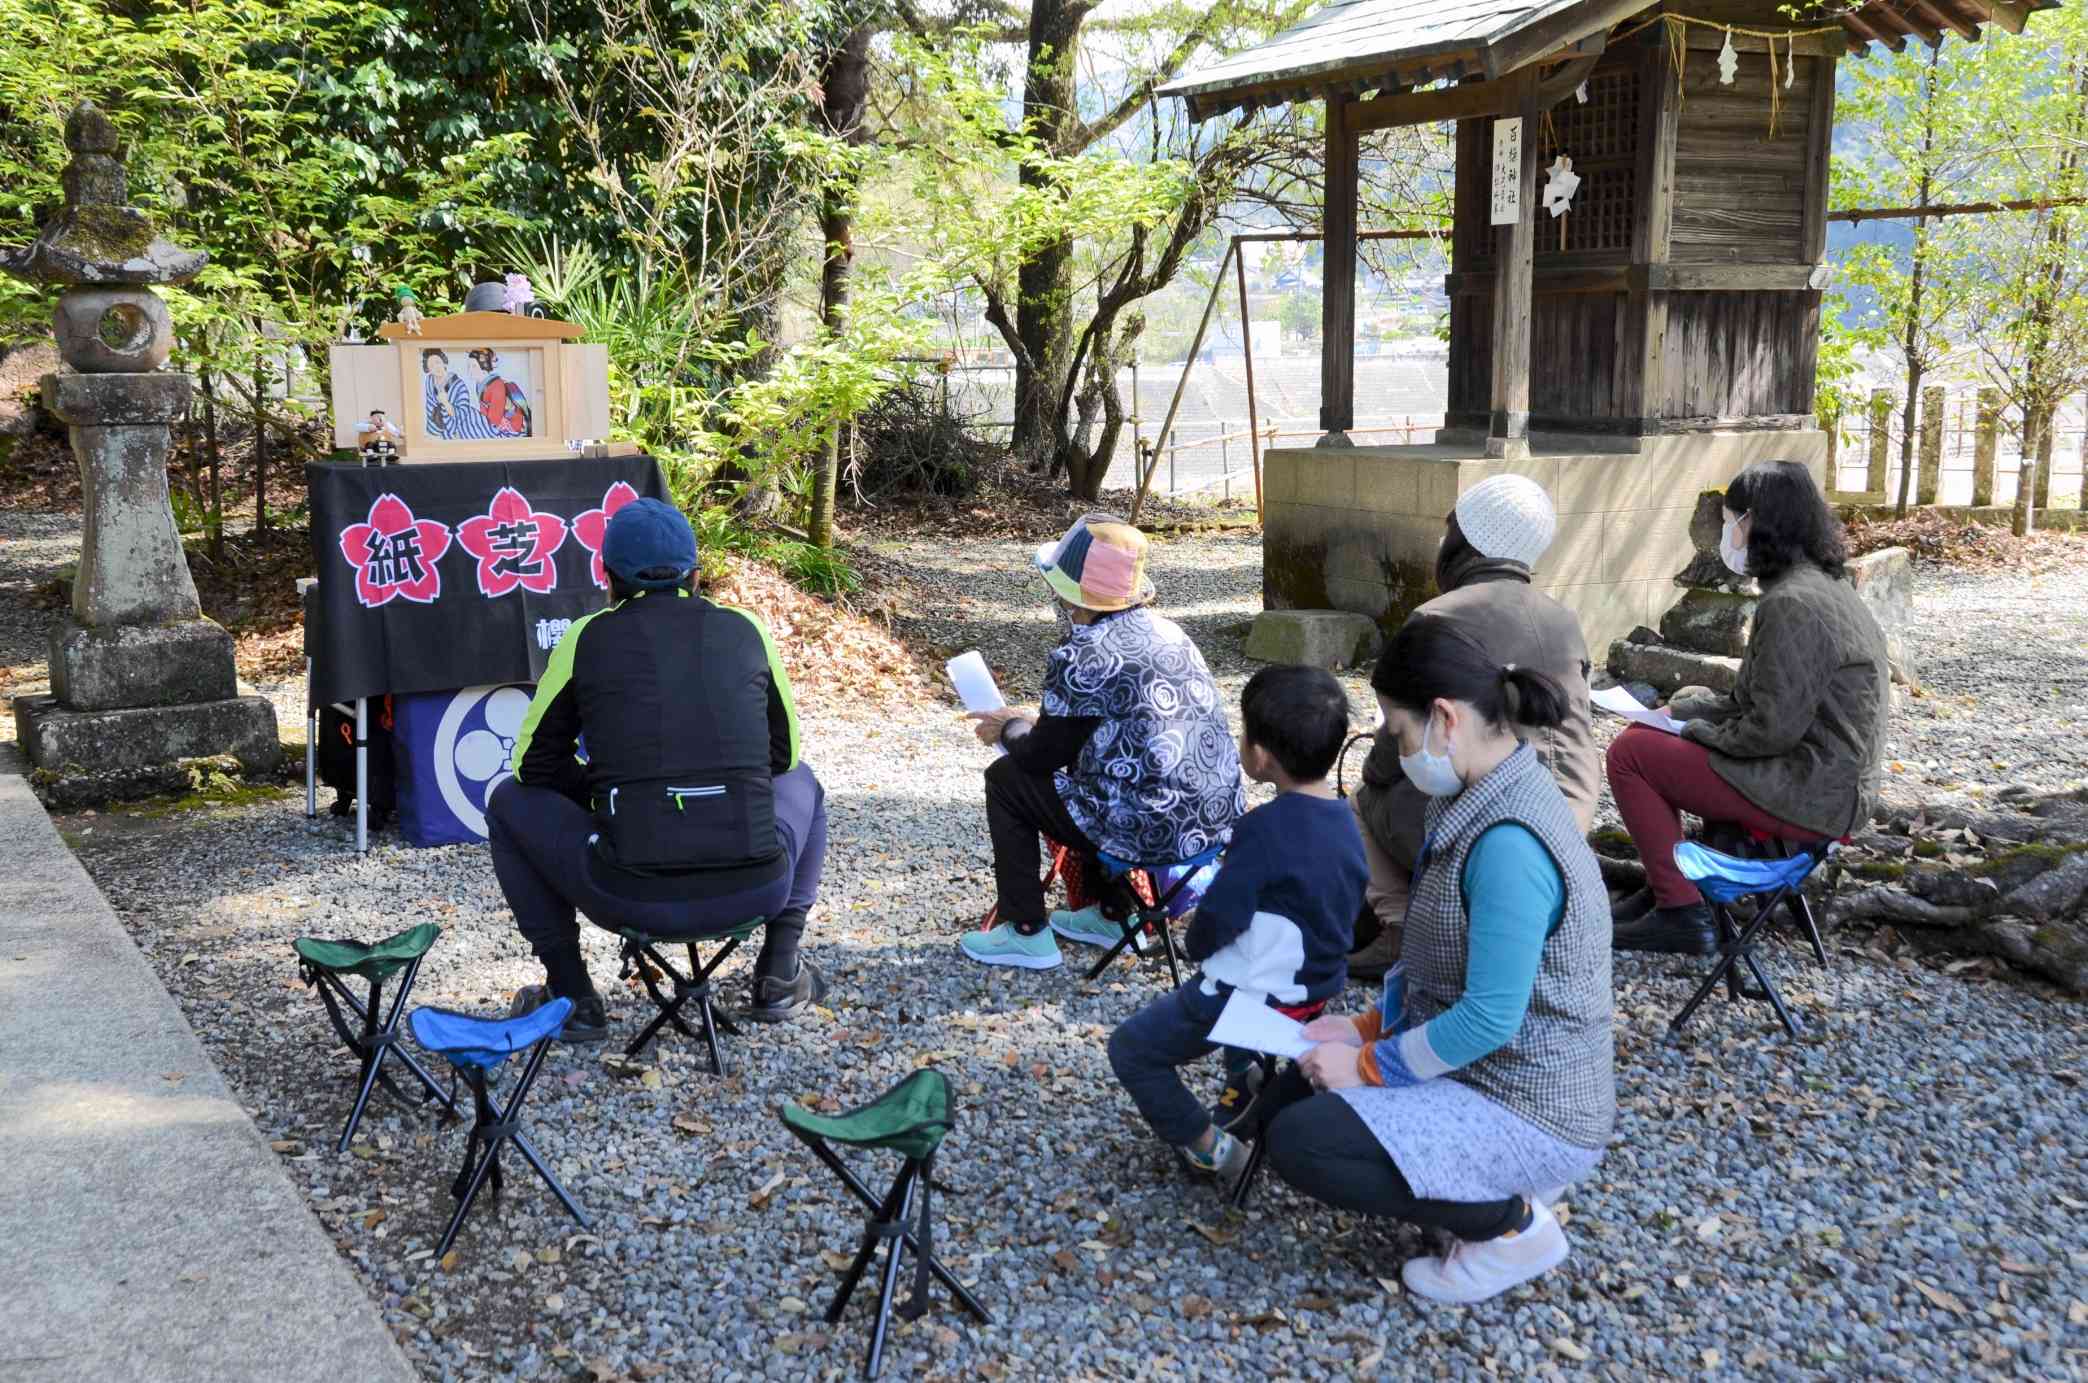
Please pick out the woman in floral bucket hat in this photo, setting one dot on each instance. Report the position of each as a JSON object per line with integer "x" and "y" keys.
{"x": 1131, "y": 755}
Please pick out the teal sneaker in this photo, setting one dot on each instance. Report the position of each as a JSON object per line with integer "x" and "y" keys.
{"x": 1006, "y": 946}
{"x": 1087, "y": 926}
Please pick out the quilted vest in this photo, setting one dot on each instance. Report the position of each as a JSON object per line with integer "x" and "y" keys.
{"x": 1556, "y": 1071}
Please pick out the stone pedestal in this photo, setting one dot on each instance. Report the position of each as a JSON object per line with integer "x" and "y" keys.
{"x": 139, "y": 679}
{"x": 1331, "y": 639}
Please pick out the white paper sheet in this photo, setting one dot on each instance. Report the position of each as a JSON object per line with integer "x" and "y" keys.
{"x": 1248, "y": 1021}
{"x": 975, "y": 685}
{"x": 1617, "y": 701}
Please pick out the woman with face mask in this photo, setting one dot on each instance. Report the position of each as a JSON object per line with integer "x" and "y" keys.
{"x": 1794, "y": 750}
{"x": 1481, "y": 1084}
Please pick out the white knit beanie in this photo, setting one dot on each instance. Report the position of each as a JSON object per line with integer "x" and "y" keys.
{"x": 1508, "y": 517}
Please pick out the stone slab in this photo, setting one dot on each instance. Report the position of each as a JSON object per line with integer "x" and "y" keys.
{"x": 131, "y": 665}
{"x": 150, "y": 1233}
{"x": 57, "y": 739}
{"x": 1670, "y": 669}
{"x": 1885, "y": 580}
{"x": 1718, "y": 622}
{"x": 1318, "y": 638}
{"x": 117, "y": 400}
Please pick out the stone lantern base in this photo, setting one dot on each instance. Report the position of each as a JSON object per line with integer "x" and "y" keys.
{"x": 137, "y": 739}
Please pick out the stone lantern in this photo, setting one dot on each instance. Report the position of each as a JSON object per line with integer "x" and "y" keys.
{"x": 139, "y": 678}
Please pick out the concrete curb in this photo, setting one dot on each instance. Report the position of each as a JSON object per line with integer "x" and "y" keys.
{"x": 149, "y": 1232}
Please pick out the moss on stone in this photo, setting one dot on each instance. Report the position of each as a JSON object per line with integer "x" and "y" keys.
{"x": 1408, "y": 586}
{"x": 2006, "y": 861}
{"x": 109, "y": 234}
{"x": 219, "y": 791}
{"x": 1888, "y": 871}
{"x": 1611, "y": 842}
{"x": 1927, "y": 850}
{"x": 1296, "y": 575}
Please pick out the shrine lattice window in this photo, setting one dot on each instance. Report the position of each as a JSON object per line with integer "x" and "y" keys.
{"x": 1600, "y": 135}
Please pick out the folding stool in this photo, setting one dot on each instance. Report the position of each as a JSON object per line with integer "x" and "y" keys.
{"x": 641, "y": 954}
{"x": 1724, "y": 880}
{"x": 476, "y": 1048}
{"x": 322, "y": 964}
{"x": 910, "y": 1119}
{"x": 1152, "y": 914}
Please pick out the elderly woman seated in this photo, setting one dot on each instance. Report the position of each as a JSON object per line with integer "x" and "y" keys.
{"x": 1132, "y": 754}
{"x": 1482, "y": 1081}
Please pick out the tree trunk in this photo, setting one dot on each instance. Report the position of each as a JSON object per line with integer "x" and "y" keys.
{"x": 2024, "y": 516}
{"x": 844, "y": 88}
{"x": 260, "y": 449}
{"x": 1044, "y": 283}
{"x": 1910, "y": 414}
{"x": 214, "y": 518}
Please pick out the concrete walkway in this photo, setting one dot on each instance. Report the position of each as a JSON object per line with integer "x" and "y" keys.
{"x": 146, "y": 1231}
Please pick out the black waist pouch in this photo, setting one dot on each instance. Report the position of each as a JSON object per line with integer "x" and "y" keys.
{"x": 701, "y": 821}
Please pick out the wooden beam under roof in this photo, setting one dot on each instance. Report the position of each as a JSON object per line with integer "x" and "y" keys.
{"x": 1946, "y": 16}
{"x": 1857, "y": 25}
{"x": 1885, "y": 19}
{"x": 1921, "y": 28}
{"x": 2009, "y": 14}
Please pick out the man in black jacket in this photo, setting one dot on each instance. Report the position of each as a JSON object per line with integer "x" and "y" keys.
{"x": 691, "y": 813}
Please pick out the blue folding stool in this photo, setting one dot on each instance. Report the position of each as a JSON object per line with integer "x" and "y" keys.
{"x": 1726, "y": 879}
{"x": 1153, "y": 915}
{"x": 477, "y": 1047}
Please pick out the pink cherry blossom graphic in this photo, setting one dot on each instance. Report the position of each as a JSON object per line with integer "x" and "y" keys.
{"x": 593, "y": 526}
{"x": 394, "y": 554}
{"x": 513, "y": 543}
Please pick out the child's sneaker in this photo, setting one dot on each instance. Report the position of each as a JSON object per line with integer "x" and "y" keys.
{"x": 1087, "y": 926}
{"x": 1227, "y": 1158}
{"x": 1003, "y": 945}
{"x": 1475, "y": 1272}
{"x": 1236, "y": 1102}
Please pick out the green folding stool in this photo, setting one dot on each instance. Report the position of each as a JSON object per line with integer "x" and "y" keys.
{"x": 641, "y": 956}
{"x": 910, "y": 1119}
{"x": 325, "y": 964}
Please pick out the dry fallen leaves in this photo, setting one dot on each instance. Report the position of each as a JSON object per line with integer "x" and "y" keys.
{"x": 1939, "y": 1297}
{"x": 1219, "y": 1237}
{"x": 768, "y": 1188}
{"x": 1561, "y": 1345}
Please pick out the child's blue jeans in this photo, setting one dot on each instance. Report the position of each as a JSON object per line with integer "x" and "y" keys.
{"x": 1171, "y": 1031}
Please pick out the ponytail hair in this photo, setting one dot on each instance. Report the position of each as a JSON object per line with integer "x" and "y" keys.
{"x": 1432, "y": 659}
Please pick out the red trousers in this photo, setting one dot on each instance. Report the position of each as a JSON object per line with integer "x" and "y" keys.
{"x": 1655, "y": 777}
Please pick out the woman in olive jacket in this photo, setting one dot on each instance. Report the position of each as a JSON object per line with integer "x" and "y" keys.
{"x": 1793, "y": 751}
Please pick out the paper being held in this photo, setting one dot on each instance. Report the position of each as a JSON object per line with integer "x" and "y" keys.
{"x": 975, "y": 685}
{"x": 1617, "y": 701}
{"x": 1248, "y": 1021}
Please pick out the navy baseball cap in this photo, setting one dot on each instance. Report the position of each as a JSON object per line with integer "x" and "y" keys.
{"x": 645, "y": 535}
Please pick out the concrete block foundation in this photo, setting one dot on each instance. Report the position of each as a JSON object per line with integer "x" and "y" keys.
{"x": 1357, "y": 528}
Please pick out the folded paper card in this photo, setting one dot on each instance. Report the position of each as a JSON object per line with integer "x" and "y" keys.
{"x": 1617, "y": 701}
{"x": 1248, "y": 1021}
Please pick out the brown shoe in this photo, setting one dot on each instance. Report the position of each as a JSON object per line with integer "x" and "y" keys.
{"x": 1372, "y": 961}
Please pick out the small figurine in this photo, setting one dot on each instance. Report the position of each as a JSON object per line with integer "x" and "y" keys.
{"x": 379, "y": 439}
{"x": 409, "y": 311}
{"x": 520, "y": 296}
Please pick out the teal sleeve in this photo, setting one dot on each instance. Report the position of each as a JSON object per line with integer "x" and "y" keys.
{"x": 1514, "y": 897}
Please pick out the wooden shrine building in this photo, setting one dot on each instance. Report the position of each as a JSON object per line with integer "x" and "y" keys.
{"x": 1628, "y": 354}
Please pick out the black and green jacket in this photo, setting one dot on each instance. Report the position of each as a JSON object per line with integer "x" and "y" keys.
{"x": 687, "y": 716}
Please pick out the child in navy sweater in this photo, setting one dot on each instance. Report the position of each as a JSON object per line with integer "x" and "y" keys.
{"x": 1279, "y": 920}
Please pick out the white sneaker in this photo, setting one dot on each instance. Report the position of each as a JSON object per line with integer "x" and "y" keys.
{"x": 1550, "y": 1196}
{"x": 1476, "y": 1272}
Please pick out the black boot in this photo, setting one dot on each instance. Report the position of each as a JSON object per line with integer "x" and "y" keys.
{"x": 779, "y": 1000}
{"x": 1683, "y": 931}
{"x": 1632, "y": 906}
{"x": 588, "y": 1022}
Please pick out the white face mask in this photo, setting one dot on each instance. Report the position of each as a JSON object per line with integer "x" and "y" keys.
{"x": 1433, "y": 774}
{"x": 1730, "y": 550}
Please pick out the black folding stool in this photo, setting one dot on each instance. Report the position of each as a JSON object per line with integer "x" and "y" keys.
{"x": 641, "y": 954}
{"x": 476, "y": 1047}
{"x": 322, "y": 963}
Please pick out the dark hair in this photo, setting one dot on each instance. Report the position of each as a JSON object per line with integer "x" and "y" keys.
{"x": 1456, "y": 549}
{"x": 433, "y": 350}
{"x": 1432, "y": 659}
{"x": 1300, "y": 715}
{"x": 620, "y": 589}
{"x": 1792, "y": 522}
{"x": 484, "y": 357}
{"x": 376, "y": 412}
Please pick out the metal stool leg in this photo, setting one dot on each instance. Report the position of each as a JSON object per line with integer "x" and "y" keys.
{"x": 311, "y": 747}
{"x": 362, "y": 775}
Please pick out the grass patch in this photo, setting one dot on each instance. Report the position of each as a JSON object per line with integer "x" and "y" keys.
{"x": 822, "y": 571}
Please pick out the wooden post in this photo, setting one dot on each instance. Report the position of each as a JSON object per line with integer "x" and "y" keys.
{"x": 1880, "y": 441}
{"x": 1983, "y": 447}
{"x": 1338, "y": 287}
{"x": 1174, "y": 404}
{"x": 1646, "y": 320}
{"x": 1247, "y": 354}
{"x": 1508, "y": 434}
{"x": 1931, "y": 481}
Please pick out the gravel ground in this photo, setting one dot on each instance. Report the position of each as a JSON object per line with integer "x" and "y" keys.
{"x": 1897, "y": 1195}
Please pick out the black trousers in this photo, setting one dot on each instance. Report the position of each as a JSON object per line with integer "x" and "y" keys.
{"x": 1323, "y": 1148}
{"x": 1020, "y": 805}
